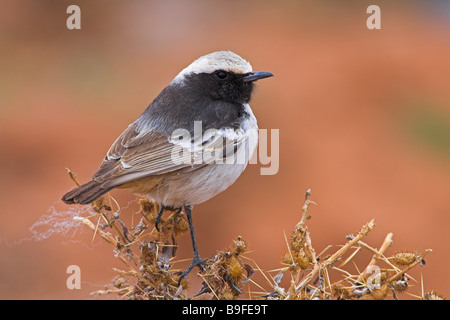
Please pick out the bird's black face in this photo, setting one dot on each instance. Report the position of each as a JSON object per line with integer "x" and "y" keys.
{"x": 225, "y": 85}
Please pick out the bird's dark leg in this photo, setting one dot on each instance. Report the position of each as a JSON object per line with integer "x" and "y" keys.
{"x": 196, "y": 260}
{"x": 158, "y": 217}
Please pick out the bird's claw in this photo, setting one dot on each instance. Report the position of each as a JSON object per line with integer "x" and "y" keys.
{"x": 196, "y": 262}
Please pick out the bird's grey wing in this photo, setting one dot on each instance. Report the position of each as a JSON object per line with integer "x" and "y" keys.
{"x": 137, "y": 154}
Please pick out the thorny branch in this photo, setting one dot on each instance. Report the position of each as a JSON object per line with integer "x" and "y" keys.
{"x": 148, "y": 258}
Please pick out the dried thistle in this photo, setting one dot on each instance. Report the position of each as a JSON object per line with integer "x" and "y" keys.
{"x": 148, "y": 258}
{"x": 224, "y": 275}
{"x": 404, "y": 258}
{"x": 380, "y": 279}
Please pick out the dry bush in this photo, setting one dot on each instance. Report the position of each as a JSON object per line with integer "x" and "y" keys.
{"x": 148, "y": 256}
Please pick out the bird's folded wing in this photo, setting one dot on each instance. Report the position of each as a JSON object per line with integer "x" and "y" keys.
{"x": 136, "y": 155}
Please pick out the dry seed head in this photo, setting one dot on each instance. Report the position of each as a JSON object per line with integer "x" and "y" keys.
{"x": 433, "y": 295}
{"x": 147, "y": 205}
{"x": 180, "y": 225}
{"x": 298, "y": 239}
{"x": 235, "y": 269}
{"x": 400, "y": 285}
{"x": 239, "y": 245}
{"x": 404, "y": 258}
{"x": 288, "y": 261}
{"x": 302, "y": 259}
{"x": 148, "y": 209}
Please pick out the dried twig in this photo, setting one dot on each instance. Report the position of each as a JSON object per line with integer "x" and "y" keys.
{"x": 149, "y": 275}
{"x": 386, "y": 244}
{"x": 337, "y": 255}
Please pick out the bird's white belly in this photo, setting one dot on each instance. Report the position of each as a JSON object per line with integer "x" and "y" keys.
{"x": 196, "y": 186}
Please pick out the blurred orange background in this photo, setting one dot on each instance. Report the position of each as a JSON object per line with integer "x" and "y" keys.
{"x": 363, "y": 117}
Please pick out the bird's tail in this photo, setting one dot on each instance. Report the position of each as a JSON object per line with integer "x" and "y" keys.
{"x": 86, "y": 193}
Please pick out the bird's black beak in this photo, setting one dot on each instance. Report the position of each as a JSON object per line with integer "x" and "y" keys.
{"x": 256, "y": 75}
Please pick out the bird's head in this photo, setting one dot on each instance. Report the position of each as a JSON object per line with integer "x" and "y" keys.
{"x": 221, "y": 75}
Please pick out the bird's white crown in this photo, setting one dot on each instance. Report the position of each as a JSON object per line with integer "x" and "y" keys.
{"x": 219, "y": 60}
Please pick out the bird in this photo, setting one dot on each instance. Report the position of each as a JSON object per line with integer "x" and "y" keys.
{"x": 191, "y": 143}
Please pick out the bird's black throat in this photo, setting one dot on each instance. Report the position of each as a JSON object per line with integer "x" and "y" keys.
{"x": 200, "y": 97}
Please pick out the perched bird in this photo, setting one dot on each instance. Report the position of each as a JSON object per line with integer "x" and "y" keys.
{"x": 191, "y": 143}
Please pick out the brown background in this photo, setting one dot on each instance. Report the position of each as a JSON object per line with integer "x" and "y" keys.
{"x": 364, "y": 120}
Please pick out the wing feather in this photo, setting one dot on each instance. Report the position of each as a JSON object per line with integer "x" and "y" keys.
{"x": 136, "y": 155}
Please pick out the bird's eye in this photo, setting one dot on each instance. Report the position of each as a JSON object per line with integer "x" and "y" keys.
{"x": 221, "y": 74}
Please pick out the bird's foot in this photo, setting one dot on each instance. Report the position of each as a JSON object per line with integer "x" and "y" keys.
{"x": 196, "y": 262}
